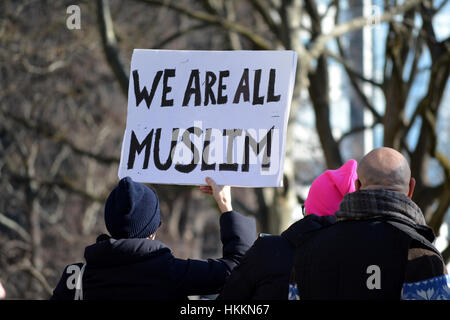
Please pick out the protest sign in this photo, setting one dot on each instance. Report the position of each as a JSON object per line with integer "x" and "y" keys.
{"x": 222, "y": 114}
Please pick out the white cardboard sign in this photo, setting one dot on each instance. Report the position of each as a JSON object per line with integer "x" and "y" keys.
{"x": 194, "y": 114}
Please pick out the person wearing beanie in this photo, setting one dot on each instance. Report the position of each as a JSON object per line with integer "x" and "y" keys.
{"x": 380, "y": 247}
{"x": 130, "y": 263}
{"x": 132, "y": 211}
{"x": 265, "y": 270}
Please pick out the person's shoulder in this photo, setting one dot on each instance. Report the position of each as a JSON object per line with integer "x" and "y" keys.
{"x": 266, "y": 239}
{"x": 268, "y": 243}
{"x": 309, "y": 226}
{"x": 269, "y": 254}
{"x": 426, "y": 276}
{"x": 423, "y": 263}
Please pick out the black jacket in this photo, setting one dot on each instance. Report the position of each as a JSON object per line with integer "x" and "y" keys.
{"x": 370, "y": 253}
{"x": 147, "y": 269}
{"x": 335, "y": 264}
{"x": 264, "y": 271}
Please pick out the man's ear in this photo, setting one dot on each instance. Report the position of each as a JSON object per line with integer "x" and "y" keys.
{"x": 357, "y": 185}
{"x": 412, "y": 185}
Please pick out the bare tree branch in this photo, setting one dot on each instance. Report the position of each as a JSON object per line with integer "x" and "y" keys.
{"x": 109, "y": 42}
{"x": 316, "y": 23}
{"x": 63, "y": 183}
{"x": 439, "y": 8}
{"x": 43, "y": 70}
{"x": 436, "y": 48}
{"x": 353, "y": 73}
{"x": 180, "y": 33}
{"x": 356, "y": 130}
{"x": 444, "y": 200}
{"x": 229, "y": 8}
{"x": 258, "y": 41}
{"x": 48, "y": 131}
{"x": 353, "y": 76}
{"x": 359, "y": 23}
{"x": 210, "y": 7}
{"x": 415, "y": 62}
{"x": 27, "y": 266}
{"x": 14, "y": 226}
{"x": 264, "y": 11}
{"x": 329, "y": 6}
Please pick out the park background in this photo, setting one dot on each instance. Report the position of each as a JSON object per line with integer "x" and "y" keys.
{"x": 370, "y": 73}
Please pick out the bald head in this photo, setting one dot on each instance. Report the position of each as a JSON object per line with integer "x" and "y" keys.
{"x": 385, "y": 168}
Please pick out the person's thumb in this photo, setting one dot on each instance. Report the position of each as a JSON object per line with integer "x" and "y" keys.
{"x": 211, "y": 183}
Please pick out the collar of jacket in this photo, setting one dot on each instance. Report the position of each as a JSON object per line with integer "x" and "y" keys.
{"x": 369, "y": 204}
{"x": 112, "y": 252}
{"x": 297, "y": 232}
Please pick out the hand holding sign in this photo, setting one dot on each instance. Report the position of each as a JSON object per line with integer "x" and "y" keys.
{"x": 222, "y": 194}
{"x": 222, "y": 114}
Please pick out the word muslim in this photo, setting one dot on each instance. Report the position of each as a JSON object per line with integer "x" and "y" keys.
{"x": 244, "y": 141}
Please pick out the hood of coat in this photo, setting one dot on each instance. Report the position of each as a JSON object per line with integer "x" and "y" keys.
{"x": 310, "y": 223}
{"x": 112, "y": 252}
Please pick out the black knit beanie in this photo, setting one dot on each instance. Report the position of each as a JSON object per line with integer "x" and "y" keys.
{"x": 132, "y": 210}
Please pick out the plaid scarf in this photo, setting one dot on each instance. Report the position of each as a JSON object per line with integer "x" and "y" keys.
{"x": 369, "y": 204}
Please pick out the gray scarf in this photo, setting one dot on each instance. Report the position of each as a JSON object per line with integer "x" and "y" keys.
{"x": 369, "y": 204}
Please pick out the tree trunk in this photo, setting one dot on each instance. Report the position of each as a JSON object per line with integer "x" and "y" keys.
{"x": 318, "y": 91}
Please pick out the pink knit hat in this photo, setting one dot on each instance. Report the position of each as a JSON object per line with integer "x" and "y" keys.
{"x": 328, "y": 189}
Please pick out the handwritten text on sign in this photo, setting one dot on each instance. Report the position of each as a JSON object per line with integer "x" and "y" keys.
{"x": 193, "y": 114}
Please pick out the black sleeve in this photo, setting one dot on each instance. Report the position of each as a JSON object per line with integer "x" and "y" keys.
{"x": 202, "y": 277}
{"x": 242, "y": 281}
{"x": 237, "y": 234}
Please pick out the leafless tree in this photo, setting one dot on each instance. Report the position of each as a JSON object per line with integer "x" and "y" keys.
{"x": 259, "y": 24}
{"x": 62, "y": 109}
